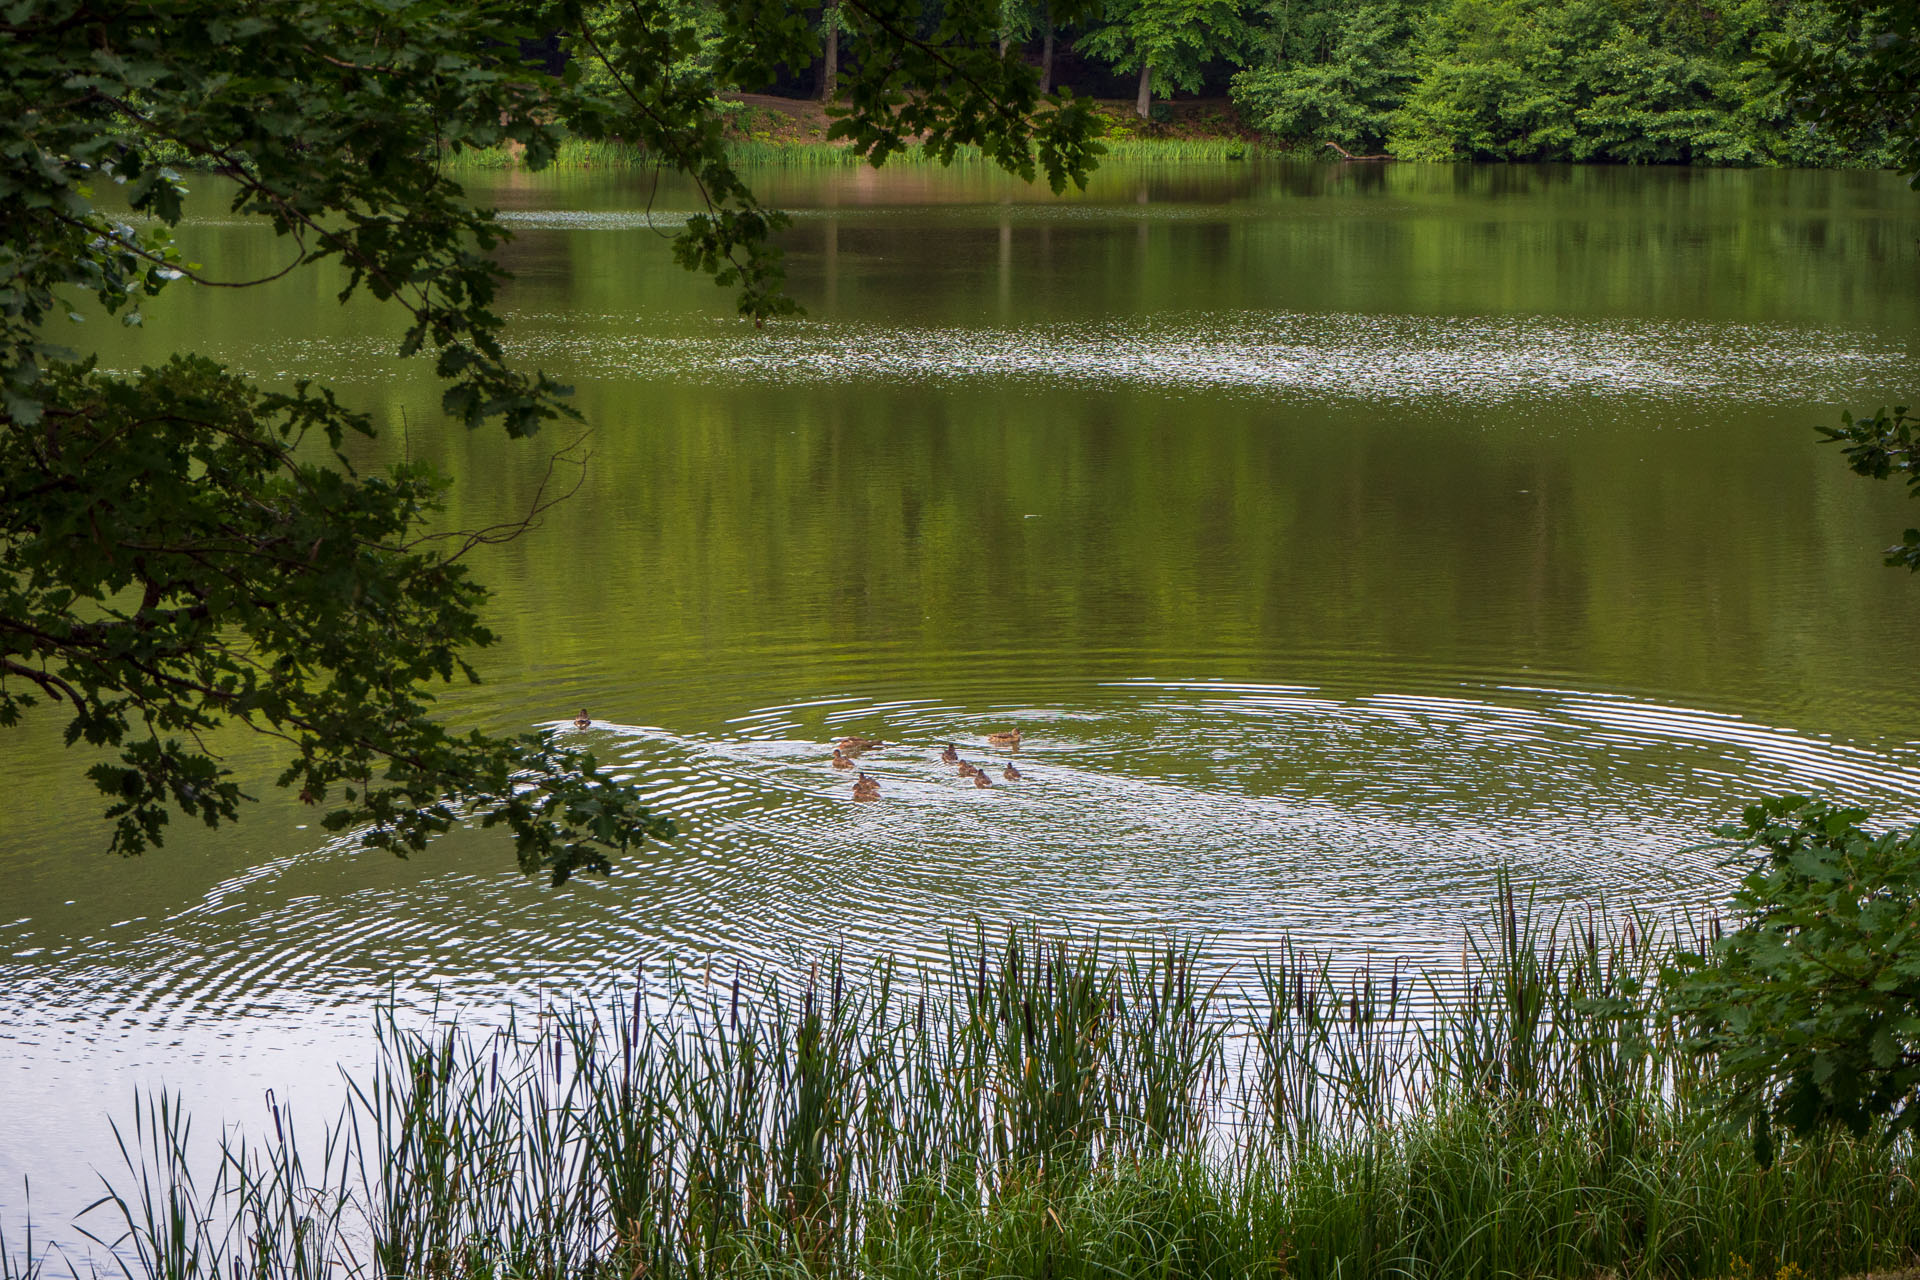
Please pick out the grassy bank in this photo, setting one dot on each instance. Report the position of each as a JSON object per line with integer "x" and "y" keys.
{"x": 1046, "y": 1108}
{"x": 763, "y": 130}
{"x": 577, "y": 153}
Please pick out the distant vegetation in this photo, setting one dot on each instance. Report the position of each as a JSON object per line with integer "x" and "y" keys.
{"x": 1630, "y": 81}
{"x": 1616, "y": 81}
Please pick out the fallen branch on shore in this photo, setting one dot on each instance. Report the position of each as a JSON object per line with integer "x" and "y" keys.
{"x": 1348, "y": 155}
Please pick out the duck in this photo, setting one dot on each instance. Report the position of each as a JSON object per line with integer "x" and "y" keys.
{"x": 841, "y": 760}
{"x": 950, "y": 756}
{"x": 1010, "y": 773}
{"x": 968, "y": 769}
{"x": 1007, "y": 738}
{"x": 865, "y": 788}
{"x": 582, "y": 721}
{"x": 853, "y": 746}
{"x": 980, "y": 778}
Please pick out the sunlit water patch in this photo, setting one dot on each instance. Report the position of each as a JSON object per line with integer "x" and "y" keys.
{"x": 1297, "y": 357}
{"x": 1379, "y": 357}
{"x": 594, "y": 219}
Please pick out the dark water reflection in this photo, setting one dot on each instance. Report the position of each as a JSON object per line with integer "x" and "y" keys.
{"x": 1337, "y": 536}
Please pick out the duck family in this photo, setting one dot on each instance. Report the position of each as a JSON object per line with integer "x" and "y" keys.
{"x": 866, "y": 787}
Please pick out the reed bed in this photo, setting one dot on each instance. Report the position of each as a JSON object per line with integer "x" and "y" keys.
{"x": 1037, "y": 1106}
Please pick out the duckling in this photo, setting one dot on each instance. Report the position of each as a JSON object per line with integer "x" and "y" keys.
{"x": 967, "y": 769}
{"x": 980, "y": 778}
{"x": 950, "y": 756}
{"x": 1009, "y": 738}
{"x": 841, "y": 760}
{"x": 865, "y": 788}
{"x": 853, "y": 746}
{"x": 1010, "y": 773}
{"x": 581, "y": 721}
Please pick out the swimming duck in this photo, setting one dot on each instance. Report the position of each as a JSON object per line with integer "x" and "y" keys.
{"x": 865, "y": 788}
{"x": 841, "y": 760}
{"x": 967, "y": 769}
{"x": 1010, "y": 773}
{"x": 950, "y": 756}
{"x": 1009, "y": 738}
{"x": 581, "y": 721}
{"x": 853, "y": 746}
{"x": 980, "y": 778}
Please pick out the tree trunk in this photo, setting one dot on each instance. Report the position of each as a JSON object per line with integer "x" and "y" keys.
{"x": 830, "y": 74}
{"x": 1144, "y": 106}
{"x": 1046, "y": 52}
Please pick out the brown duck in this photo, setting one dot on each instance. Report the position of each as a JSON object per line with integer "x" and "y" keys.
{"x": 1007, "y": 738}
{"x": 581, "y": 721}
{"x": 950, "y": 756}
{"x": 853, "y": 746}
{"x": 1010, "y": 773}
{"x": 841, "y": 760}
{"x": 865, "y": 788}
{"x": 980, "y": 778}
{"x": 967, "y": 769}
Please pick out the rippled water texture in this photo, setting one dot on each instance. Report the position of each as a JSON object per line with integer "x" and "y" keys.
{"x": 1335, "y": 539}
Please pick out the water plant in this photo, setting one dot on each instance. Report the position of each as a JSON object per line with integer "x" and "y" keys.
{"x": 1042, "y": 1105}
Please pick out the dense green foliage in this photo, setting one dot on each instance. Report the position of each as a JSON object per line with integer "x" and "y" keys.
{"x": 1168, "y": 42}
{"x": 180, "y": 550}
{"x": 1863, "y": 86}
{"x": 1632, "y": 81}
{"x": 1041, "y": 1108}
{"x": 1626, "y": 81}
{"x": 1811, "y": 1004}
{"x": 1809, "y": 83}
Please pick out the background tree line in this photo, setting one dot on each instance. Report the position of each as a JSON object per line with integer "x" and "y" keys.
{"x": 1622, "y": 81}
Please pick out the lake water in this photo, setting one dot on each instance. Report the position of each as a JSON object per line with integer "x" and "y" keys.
{"x": 1336, "y": 536}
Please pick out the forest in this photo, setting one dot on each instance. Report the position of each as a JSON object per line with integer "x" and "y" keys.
{"x": 1602, "y": 81}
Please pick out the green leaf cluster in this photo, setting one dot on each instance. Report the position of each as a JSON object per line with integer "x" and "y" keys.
{"x": 1878, "y": 446}
{"x": 1175, "y": 39}
{"x": 1811, "y": 1002}
{"x": 1333, "y": 72}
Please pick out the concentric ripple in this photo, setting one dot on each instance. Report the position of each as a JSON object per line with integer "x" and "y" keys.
{"x": 1359, "y": 824}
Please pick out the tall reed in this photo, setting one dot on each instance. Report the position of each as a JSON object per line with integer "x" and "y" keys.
{"x": 1040, "y": 1105}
